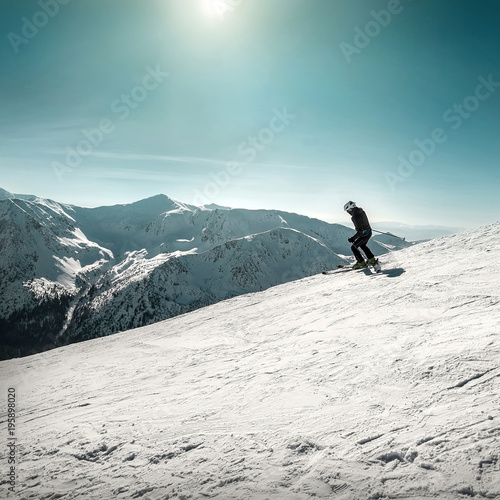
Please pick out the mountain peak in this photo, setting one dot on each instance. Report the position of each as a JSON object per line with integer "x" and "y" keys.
{"x": 160, "y": 198}
{"x": 5, "y": 195}
{"x": 157, "y": 204}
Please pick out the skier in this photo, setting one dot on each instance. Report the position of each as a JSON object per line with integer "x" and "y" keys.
{"x": 360, "y": 239}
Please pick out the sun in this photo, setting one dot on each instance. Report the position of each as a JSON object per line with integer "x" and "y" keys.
{"x": 217, "y": 9}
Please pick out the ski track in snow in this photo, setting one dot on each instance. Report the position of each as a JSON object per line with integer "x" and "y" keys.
{"x": 346, "y": 386}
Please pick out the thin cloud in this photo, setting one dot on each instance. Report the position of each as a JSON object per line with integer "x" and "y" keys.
{"x": 130, "y": 174}
{"x": 146, "y": 157}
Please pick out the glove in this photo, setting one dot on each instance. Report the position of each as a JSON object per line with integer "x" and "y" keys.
{"x": 351, "y": 239}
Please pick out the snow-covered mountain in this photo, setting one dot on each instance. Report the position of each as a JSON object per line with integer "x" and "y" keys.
{"x": 7, "y": 195}
{"x": 347, "y": 386}
{"x": 417, "y": 233}
{"x": 69, "y": 273}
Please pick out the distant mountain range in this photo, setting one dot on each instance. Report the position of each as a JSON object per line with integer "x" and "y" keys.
{"x": 69, "y": 273}
{"x": 416, "y": 233}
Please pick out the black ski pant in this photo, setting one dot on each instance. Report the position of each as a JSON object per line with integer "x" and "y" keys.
{"x": 360, "y": 243}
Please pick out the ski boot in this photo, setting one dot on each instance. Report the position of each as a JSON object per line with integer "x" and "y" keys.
{"x": 360, "y": 265}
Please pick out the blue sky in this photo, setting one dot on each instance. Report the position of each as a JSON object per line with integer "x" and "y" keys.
{"x": 298, "y": 105}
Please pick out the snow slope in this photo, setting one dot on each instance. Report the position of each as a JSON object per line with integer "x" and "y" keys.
{"x": 344, "y": 386}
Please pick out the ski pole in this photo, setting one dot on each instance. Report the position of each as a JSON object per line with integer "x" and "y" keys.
{"x": 389, "y": 234}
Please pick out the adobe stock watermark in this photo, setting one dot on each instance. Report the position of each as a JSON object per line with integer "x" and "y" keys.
{"x": 372, "y": 29}
{"x": 222, "y": 7}
{"x": 249, "y": 149}
{"x": 12, "y": 443}
{"x": 455, "y": 116}
{"x": 31, "y": 27}
{"x": 122, "y": 107}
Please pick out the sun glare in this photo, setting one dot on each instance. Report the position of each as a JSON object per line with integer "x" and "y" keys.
{"x": 217, "y": 9}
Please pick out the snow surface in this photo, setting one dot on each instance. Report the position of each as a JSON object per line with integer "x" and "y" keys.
{"x": 343, "y": 386}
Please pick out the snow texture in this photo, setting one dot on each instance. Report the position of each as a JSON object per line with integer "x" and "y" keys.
{"x": 346, "y": 386}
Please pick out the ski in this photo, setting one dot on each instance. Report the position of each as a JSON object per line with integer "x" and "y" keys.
{"x": 340, "y": 268}
{"x": 337, "y": 271}
{"x": 376, "y": 267}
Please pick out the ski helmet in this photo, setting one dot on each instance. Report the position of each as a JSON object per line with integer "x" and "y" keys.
{"x": 349, "y": 206}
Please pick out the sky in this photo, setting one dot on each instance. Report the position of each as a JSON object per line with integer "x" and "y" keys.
{"x": 298, "y": 105}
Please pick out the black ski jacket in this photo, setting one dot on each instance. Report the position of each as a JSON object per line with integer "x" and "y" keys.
{"x": 360, "y": 221}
